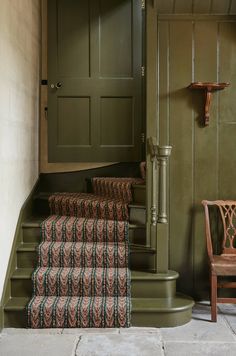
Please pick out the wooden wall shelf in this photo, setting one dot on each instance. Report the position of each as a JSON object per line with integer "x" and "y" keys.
{"x": 209, "y": 88}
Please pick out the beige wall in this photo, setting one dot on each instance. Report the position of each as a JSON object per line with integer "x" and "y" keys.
{"x": 45, "y": 166}
{"x": 19, "y": 106}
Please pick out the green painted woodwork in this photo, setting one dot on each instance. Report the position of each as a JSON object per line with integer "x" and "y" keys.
{"x": 202, "y": 164}
{"x": 1, "y": 318}
{"x": 139, "y": 193}
{"x": 95, "y": 52}
{"x": 155, "y": 312}
{"x": 151, "y": 108}
{"x": 161, "y": 285}
{"x": 161, "y": 312}
{"x": 25, "y": 212}
{"x": 154, "y": 296}
{"x": 226, "y": 7}
{"x": 137, "y": 214}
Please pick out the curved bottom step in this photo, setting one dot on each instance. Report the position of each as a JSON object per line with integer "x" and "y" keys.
{"x": 146, "y": 312}
{"x": 161, "y": 312}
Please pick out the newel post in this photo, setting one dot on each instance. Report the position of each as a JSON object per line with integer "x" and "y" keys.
{"x": 163, "y": 153}
{"x": 159, "y": 158}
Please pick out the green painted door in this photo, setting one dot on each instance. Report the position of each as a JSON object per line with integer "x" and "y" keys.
{"x": 94, "y": 80}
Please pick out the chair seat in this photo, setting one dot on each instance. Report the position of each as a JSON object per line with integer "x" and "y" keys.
{"x": 224, "y": 265}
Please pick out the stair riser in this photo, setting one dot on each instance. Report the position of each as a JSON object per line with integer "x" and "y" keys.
{"x": 41, "y": 207}
{"x": 141, "y": 261}
{"x": 137, "y": 236}
{"x": 137, "y": 216}
{"x": 15, "y": 319}
{"x": 27, "y": 259}
{"x": 139, "y": 194}
{"x": 138, "y": 260}
{"x": 153, "y": 289}
{"x": 18, "y": 319}
{"x": 160, "y": 319}
{"x": 21, "y": 287}
{"x": 32, "y": 234}
{"x": 139, "y": 288}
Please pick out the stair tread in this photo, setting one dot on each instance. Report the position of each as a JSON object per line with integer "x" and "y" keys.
{"x": 26, "y": 273}
{"x": 46, "y": 195}
{"x": 177, "y": 303}
{"x": 28, "y": 246}
{"x": 16, "y": 303}
{"x": 32, "y": 246}
{"x": 35, "y": 221}
{"x": 141, "y": 248}
{"x": 22, "y": 273}
{"x": 145, "y": 275}
{"x": 137, "y": 206}
{"x": 141, "y": 186}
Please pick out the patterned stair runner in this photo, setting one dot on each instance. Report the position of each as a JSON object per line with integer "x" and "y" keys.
{"x": 82, "y": 279}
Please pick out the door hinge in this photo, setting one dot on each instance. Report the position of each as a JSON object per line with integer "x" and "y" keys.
{"x": 142, "y": 71}
{"x": 143, "y": 4}
{"x": 143, "y": 137}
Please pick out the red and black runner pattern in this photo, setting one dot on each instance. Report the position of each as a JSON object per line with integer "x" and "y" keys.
{"x": 82, "y": 278}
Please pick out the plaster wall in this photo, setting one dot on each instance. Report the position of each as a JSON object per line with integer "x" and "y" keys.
{"x": 20, "y": 40}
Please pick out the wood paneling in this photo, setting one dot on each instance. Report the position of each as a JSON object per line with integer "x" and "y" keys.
{"x": 223, "y": 7}
{"x": 95, "y": 52}
{"x": 227, "y": 70}
{"x": 180, "y": 126}
{"x": 202, "y": 164}
{"x": 117, "y": 124}
{"x": 115, "y": 55}
{"x": 165, "y": 6}
{"x": 220, "y": 7}
{"x": 70, "y": 41}
{"x": 201, "y": 6}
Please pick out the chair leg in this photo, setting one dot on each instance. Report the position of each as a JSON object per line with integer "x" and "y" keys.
{"x": 213, "y": 298}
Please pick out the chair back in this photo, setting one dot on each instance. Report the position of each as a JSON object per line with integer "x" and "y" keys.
{"x": 227, "y": 209}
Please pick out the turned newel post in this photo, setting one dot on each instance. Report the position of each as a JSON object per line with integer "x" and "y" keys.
{"x": 162, "y": 158}
{"x": 153, "y": 153}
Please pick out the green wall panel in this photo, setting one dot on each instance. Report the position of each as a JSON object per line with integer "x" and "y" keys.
{"x": 227, "y": 70}
{"x": 201, "y": 6}
{"x": 180, "y": 69}
{"x": 227, "y": 161}
{"x": 220, "y": 7}
{"x": 202, "y": 161}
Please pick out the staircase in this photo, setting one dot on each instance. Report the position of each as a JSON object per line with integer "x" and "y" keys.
{"x": 154, "y": 298}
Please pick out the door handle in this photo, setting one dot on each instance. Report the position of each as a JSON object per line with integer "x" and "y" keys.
{"x": 56, "y": 86}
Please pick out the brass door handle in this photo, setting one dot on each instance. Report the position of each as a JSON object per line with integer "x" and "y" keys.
{"x": 56, "y": 86}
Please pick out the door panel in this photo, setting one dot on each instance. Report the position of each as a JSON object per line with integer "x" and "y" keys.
{"x": 73, "y": 38}
{"x": 76, "y": 128}
{"x": 116, "y": 56}
{"x": 95, "y": 52}
{"x": 116, "y": 129}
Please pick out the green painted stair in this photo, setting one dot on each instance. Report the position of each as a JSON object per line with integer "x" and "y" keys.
{"x": 154, "y": 299}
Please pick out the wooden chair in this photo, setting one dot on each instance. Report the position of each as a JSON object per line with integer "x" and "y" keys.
{"x": 223, "y": 263}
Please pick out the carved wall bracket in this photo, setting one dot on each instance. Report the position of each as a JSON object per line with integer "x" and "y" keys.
{"x": 209, "y": 88}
